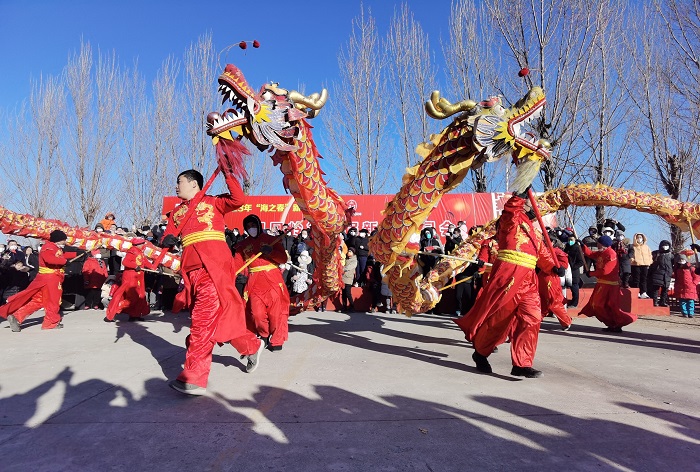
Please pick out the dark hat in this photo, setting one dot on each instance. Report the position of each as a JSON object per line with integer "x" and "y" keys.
{"x": 605, "y": 240}
{"x": 57, "y": 236}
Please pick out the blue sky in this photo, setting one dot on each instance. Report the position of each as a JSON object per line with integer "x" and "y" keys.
{"x": 299, "y": 40}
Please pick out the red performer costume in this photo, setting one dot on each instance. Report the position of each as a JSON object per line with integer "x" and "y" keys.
{"x": 267, "y": 295}
{"x": 551, "y": 296}
{"x": 46, "y": 289}
{"x": 605, "y": 299}
{"x": 511, "y": 294}
{"x": 488, "y": 253}
{"x": 130, "y": 297}
{"x": 94, "y": 276}
{"x": 208, "y": 272}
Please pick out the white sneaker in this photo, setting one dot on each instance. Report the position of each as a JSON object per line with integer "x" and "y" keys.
{"x": 254, "y": 359}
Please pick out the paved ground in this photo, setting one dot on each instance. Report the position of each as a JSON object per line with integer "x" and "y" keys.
{"x": 352, "y": 392}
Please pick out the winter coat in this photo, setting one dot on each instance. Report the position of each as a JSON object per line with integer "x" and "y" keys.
{"x": 349, "y": 269}
{"x": 94, "y": 273}
{"x": 32, "y": 261}
{"x": 575, "y": 256}
{"x": 662, "y": 267}
{"x": 686, "y": 282}
{"x": 451, "y": 243}
{"x": 623, "y": 257}
{"x": 362, "y": 246}
{"x": 640, "y": 255}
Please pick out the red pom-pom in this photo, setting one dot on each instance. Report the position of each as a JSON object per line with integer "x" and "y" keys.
{"x": 523, "y": 72}
{"x": 256, "y": 44}
{"x": 242, "y": 45}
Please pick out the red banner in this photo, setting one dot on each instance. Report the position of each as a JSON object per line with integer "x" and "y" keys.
{"x": 274, "y": 211}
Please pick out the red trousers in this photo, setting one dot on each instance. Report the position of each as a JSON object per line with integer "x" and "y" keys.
{"x": 130, "y": 297}
{"x": 269, "y": 306}
{"x": 553, "y": 298}
{"x": 520, "y": 318}
{"x": 44, "y": 292}
{"x": 605, "y": 305}
{"x": 206, "y": 311}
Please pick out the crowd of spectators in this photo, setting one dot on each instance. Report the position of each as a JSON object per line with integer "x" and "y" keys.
{"x": 651, "y": 271}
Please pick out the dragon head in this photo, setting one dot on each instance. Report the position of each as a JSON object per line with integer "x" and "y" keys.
{"x": 267, "y": 118}
{"x": 496, "y": 129}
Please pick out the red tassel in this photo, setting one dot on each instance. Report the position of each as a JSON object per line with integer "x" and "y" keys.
{"x": 256, "y": 44}
{"x": 523, "y": 72}
{"x": 229, "y": 155}
{"x": 242, "y": 45}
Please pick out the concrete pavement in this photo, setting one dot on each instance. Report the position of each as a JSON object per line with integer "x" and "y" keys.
{"x": 358, "y": 392}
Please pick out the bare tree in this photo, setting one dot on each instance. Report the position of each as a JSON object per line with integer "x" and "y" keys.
{"x": 147, "y": 143}
{"x": 356, "y": 115}
{"x": 604, "y": 145}
{"x": 471, "y": 66}
{"x": 94, "y": 120}
{"x": 555, "y": 40}
{"x": 200, "y": 96}
{"x": 413, "y": 76}
{"x": 33, "y": 154}
{"x": 668, "y": 140}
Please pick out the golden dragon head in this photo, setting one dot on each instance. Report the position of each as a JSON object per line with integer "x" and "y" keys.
{"x": 267, "y": 117}
{"x": 498, "y": 130}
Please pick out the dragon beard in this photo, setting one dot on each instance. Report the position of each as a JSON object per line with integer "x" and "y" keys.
{"x": 524, "y": 175}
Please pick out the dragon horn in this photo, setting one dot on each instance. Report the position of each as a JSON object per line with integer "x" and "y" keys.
{"x": 440, "y": 108}
{"x": 315, "y": 101}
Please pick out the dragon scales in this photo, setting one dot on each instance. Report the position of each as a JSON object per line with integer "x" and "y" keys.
{"x": 682, "y": 214}
{"x": 275, "y": 119}
{"x": 480, "y": 133}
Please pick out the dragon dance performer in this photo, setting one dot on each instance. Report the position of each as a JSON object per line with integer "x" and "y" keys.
{"x": 130, "y": 297}
{"x": 511, "y": 296}
{"x": 605, "y": 299}
{"x": 46, "y": 289}
{"x": 207, "y": 268}
{"x": 268, "y": 298}
{"x": 551, "y": 296}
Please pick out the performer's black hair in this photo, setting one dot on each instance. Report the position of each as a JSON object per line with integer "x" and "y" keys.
{"x": 191, "y": 175}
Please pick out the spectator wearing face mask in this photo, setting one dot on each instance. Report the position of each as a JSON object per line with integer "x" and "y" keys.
{"x": 362, "y": 253}
{"x": 428, "y": 243}
{"x": 610, "y": 224}
{"x": 350, "y": 237}
{"x": 452, "y": 241}
{"x": 685, "y": 288}
{"x": 621, "y": 247}
{"x": 575, "y": 254}
{"x": 591, "y": 242}
{"x": 640, "y": 260}
{"x": 32, "y": 262}
{"x": 661, "y": 272}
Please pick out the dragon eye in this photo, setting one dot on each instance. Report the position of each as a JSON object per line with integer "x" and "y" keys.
{"x": 543, "y": 143}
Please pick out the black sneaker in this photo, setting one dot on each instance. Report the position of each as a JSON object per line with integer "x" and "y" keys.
{"x": 14, "y": 324}
{"x": 187, "y": 388}
{"x": 272, "y": 348}
{"x": 566, "y": 328}
{"x": 107, "y": 320}
{"x": 610, "y": 329}
{"x": 482, "y": 363}
{"x": 254, "y": 359}
{"x": 527, "y": 372}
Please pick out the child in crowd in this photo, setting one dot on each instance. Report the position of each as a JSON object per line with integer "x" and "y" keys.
{"x": 685, "y": 288}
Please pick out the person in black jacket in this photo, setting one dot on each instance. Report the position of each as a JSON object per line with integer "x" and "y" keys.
{"x": 428, "y": 243}
{"x": 661, "y": 272}
{"x": 452, "y": 240}
{"x": 31, "y": 260}
{"x": 350, "y": 237}
{"x": 362, "y": 253}
{"x": 621, "y": 246}
{"x": 576, "y": 261}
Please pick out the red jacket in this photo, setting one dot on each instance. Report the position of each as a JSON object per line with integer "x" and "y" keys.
{"x": 94, "y": 273}
{"x": 686, "y": 283}
{"x": 606, "y": 266}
